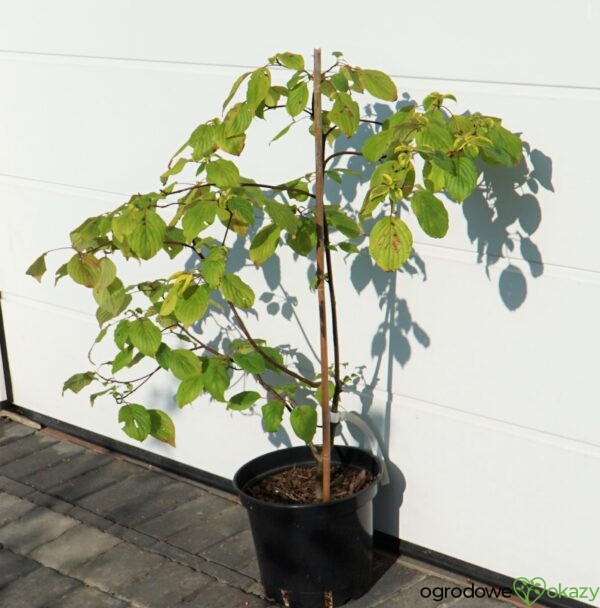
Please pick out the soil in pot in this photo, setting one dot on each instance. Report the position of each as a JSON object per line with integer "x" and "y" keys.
{"x": 297, "y": 485}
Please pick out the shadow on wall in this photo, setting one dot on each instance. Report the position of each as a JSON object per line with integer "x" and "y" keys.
{"x": 502, "y": 216}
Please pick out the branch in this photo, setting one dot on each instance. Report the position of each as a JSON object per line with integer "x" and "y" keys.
{"x": 267, "y": 357}
{"x": 334, "y": 325}
{"x": 373, "y": 122}
{"x": 280, "y": 187}
{"x": 345, "y": 152}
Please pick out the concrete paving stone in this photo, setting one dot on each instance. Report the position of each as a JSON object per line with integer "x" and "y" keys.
{"x": 412, "y": 596}
{"x": 166, "y": 524}
{"x": 9, "y": 431}
{"x": 13, "y": 566}
{"x": 50, "y": 502}
{"x": 93, "y": 481}
{"x": 87, "y": 597}
{"x": 233, "y": 551}
{"x": 209, "y": 531}
{"x": 218, "y": 595}
{"x": 75, "y": 547}
{"x": 67, "y": 469}
{"x": 16, "y": 488}
{"x": 166, "y": 499}
{"x": 121, "y": 500}
{"x": 89, "y": 518}
{"x": 133, "y": 536}
{"x": 390, "y": 578}
{"x": 251, "y": 569}
{"x": 40, "y": 460}
{"x": 118, "y": 568}
{"x": 12, "y": 507}
{"x": 37, "y": 589}
{"x": 35, "y": 528}
{"x": 22, "y": 447}
{"x": 167, "y": 585}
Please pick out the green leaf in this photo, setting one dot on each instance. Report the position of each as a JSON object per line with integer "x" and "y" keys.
{"x": 507, "y": 148}
{"x": 84, "y": 269}
{"x": 184, "y": 364}
{"x": 174, "y": 170}
{"x": 304, "y": 240}
{"x": 380, "y": 85}
{"x": 431, "y": 213}
{"x": 112, "y": 299}
{"x": 213, "y": 269}
{"x": 342, "y": 222}
{"x": 238, "y": 119}
{"x": 272, "y": 413}
{"x": 60, "y": 273}
{"x": 436, "y": 136}
{"x": 242, "y": 208}
{"x": 237, "y": 292}
{"x": 145, "y": 336}
{"x": 162, "y": 427}
{"x": 264, "y": 243}
{"x": 121, "y": 333}
{"x": 293, "y": 61}
{"x": 258, "y": 87}
{"x": 461, "y": 185}
{"x": 192, "y": 304}
{"x": 345, "y": 113}
{"x": 163, "y": 355}
{"x": 390, "y": 243}
{"x": 297, "y": 99}
{"x": 252, "y": 362}
{"x": 339, "y": 82}
{"x": 123, "y": 359}
{"x": 78, "y": 381}
{"x": 282, "y": 132}
{"x": 319, "y": 391}
{"x": 197, "y": 217}
{"x": 189, "y": 389}
{"x": 203, "y": 141}
{"x": 123, "y": 225}
{"x": 136, "y": 419}
{"x": 147, "y": 238}
{"x": 377, "y": 145}
{"x": 243, "y": 400}
{"x": 223, "y": 173}
{"x": 88, "y": 234}
{"x": 282, "y": 215}
{"x": 38, "y": 268}
{"x": 434, "y": 177}
{"x": 108, "y": 272}
{"x": 216, "y": 378}
{"x": 235, "y": 87}
{"x": 304, "y": 422}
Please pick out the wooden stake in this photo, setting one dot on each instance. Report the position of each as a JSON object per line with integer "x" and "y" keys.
{"x": 320, "y": 222}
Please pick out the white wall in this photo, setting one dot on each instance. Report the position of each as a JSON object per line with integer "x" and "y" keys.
{"x": 486, "y": 392}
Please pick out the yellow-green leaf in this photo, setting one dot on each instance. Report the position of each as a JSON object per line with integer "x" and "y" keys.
{"x": 147, "y": 238}
{"x": 162, "y": 427}
{"x": 84, "y": 269}
{"x": 237, "y": 292}
{"x": 390, "y": 243}
{"x": 38, "y": 268}
{"x": 145, "y": 336}
{"x": 431, "y": 213}
{"x": 380, "y": 85}
{"x": 304, "y": 422}
{"x": 264, "y": 243}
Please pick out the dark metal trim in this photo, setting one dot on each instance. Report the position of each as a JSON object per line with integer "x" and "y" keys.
{"x": 397, "y": 546}
{"x": 4, "y": 358}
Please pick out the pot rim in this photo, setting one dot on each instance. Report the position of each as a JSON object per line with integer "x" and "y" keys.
{"x": 336, "y": 502}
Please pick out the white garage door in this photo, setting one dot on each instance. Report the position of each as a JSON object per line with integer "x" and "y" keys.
{"x": 485, "y": 359}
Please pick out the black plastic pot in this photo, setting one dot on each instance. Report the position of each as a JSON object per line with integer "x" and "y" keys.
{"x": 308, "y": 552}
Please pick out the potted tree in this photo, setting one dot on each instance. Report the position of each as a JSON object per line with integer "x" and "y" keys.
{"x": 310, "y": 507}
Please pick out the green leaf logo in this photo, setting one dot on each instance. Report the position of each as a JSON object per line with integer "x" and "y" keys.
{"x": 530, "y": 591}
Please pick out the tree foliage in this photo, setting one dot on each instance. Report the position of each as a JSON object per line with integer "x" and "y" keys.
{"x": 423, "y": 159}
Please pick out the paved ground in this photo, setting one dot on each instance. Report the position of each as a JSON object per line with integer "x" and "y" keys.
{"x": 85, "y": 528}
